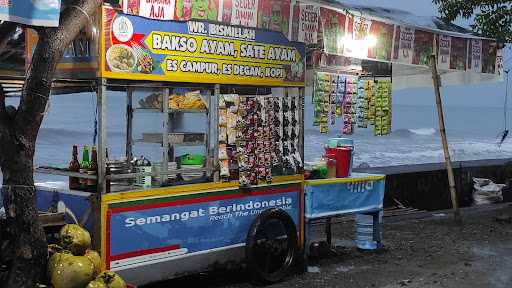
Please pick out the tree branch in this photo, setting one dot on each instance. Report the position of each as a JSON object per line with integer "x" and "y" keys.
{"x": 50, "y": 47}
{"x": 7, "y": 29}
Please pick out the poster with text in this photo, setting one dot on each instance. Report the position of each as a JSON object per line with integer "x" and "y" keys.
{"x": 308, "y": 24}
{"x": 31, "y": 12}
{"x": 225, "y": 11}
{"x": 383, "y": 35}
{"x": 475, "y": 60}
{"x": 274, "y": 15}
{"x": 489, "y": 53}
{"x": 244, "y": 12}
{"x": 131, "y": 7}
{"x": 500, "y": 66}
{"x": 358, "y": 41}
{"x": 333, "y": 30}
{"x": 157, "y": 9}
{"x": 405, "y": 46}
{"x": 197, "y": 9}
{"x": 423, "y": 47}
{"x": 444, "y": 51}
{"x": 459, "y": 54}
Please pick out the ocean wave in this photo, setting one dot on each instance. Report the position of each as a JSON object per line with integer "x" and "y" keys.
{"x": 414, "y": 132}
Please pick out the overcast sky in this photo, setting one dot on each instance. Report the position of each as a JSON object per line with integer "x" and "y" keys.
{"x": 488, "y": 95}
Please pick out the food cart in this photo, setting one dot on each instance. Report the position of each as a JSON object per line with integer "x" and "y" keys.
{"x": 244, "y": 198}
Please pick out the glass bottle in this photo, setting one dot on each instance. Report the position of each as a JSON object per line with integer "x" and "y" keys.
{"x": 74, "y": 166}
{"x": 84, "y": 166}
{"x": 93, "y": 171}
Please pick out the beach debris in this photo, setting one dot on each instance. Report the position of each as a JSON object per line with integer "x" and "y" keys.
{"x": 345, "y": 269}
{"x": 486, "y": 192}
{"x": 313, "y": 269}
{"x": 503, "y": 218}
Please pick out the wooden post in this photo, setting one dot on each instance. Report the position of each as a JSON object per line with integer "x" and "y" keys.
{"x": 442, "y": 130}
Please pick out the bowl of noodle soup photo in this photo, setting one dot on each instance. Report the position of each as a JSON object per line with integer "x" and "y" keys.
{"x": 121, "y": 58}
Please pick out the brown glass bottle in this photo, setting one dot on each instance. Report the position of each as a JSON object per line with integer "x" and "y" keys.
{"x": 74, "y": 166}
{"x": 92, "y": 184}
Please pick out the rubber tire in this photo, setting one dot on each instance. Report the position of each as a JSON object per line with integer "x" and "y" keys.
{"x": 262, "y": 277}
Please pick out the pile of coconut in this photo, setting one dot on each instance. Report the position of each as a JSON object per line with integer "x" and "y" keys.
{"x": 72, "y": 263}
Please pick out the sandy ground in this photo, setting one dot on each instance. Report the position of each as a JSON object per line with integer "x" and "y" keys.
{"x": 431, "y": 252}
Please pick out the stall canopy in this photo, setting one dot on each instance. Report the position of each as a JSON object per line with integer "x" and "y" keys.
{"x": 403, "y": 41}
{"x": 339, "y": 37}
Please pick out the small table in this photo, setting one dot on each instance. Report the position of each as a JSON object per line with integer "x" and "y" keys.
{"x": 327, "y": 198}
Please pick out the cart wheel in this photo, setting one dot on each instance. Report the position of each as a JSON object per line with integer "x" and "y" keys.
{"x": 271, "y": 246}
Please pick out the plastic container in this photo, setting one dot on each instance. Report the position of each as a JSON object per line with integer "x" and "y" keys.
{"x": 331, "y": 165}
{"x": 192, "y": 159}
{"x": 343, "y": 142}
{"x": 365, "y": 238}
{"x": 343, "y": 156}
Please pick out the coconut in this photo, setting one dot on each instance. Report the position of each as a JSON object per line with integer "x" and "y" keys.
{"x": 55, "y": 259}
{"x": 75, "y": 239}
{"x": 72, "y": 272}
{"x": 54, "y": 248}
{"x": 107, "y": 279}
{"x": 95, "y": 259}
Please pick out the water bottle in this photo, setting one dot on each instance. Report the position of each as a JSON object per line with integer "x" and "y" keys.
{"x": 364, "y": 232}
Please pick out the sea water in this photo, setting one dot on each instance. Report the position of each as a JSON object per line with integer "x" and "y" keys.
{"x": 472, "y": 131}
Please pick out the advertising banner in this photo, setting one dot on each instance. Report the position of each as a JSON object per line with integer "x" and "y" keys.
{"x": 244, "y": 12}
{"x": 475, "y": 56}
{"x": 459, "y": 53}
{"x": 383, "y": 45}
{"x": 274, "y": 15}
{"x": 444, "y": 51}
{"x": 198, "y": 52}
{"x": 79, "y": 60}
{"x": 423, "y": 47}
{"x": 31, "y": 12}
{"x": 308, "y": 24}
{"x": 489, "y": 53}
{"x": 157, "y": 9}
{"x": 405, "y": 46}
{"x": 358, "y": 41}
{"x": 333, "y": 30}
{"x": 164, "y": 228}
{"x": 343, "y": 198}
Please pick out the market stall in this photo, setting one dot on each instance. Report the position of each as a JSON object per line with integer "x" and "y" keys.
{"x": 229, "y": 81}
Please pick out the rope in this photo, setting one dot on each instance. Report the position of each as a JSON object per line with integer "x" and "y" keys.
{"x": 83, "y": 11}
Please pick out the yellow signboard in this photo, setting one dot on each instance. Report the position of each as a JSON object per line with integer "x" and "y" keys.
{"x": 198, "y": 52}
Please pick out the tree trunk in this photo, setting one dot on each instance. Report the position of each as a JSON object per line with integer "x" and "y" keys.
{"x": 29, "y": 250}
{"x": 18, "y": 134}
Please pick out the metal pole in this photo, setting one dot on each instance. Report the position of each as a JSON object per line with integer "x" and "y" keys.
{"x": 165, "y": 137}
{"x": 129, "y": 124}
{"x": 442, "y": 130}
{"x": 215, "y": 139}
{"x": 102, "y": 145}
